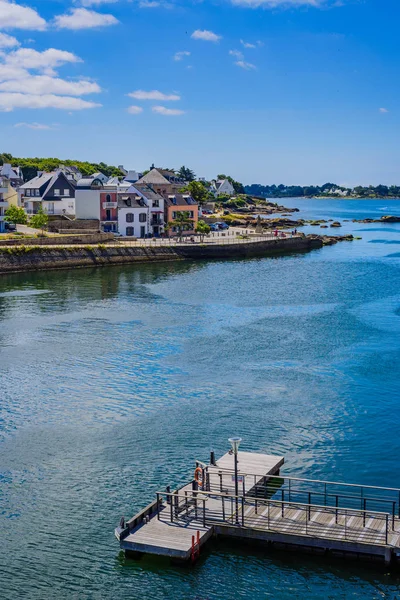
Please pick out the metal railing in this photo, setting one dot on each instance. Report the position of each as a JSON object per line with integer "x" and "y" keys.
{"x": 310, "y": 491}
{"x": 291, "y": 518}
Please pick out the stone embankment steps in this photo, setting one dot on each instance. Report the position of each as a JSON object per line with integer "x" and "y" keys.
{"x": 13, "y": 260}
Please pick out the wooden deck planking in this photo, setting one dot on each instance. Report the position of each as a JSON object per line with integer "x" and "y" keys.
{"x": 174, "y": 539}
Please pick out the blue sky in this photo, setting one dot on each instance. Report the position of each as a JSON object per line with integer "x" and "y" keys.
{"x": 269, "y": 91}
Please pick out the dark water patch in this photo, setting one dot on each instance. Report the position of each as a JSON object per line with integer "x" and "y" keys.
{"x": 384, "y": 242}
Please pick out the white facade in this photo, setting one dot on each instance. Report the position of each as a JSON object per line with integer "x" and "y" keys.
{"x": 64, "y": 206}
{"x": 134, "y": 221}
{"x": 87, "y": 203}
{"x": 223, "y": 187}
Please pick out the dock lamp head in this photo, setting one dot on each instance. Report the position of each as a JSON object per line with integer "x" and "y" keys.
{"x": 235, "y": 441}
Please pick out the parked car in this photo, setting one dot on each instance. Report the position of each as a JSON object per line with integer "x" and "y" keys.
{"x": 223, "y": 225}
{"x": 214, "y": 226}
{"x": 10, "y": 226}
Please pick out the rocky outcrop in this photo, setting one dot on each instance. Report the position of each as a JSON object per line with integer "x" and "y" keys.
{"x": 330, "y": 240}
{"x": 336, "y": 224}
{"x": 384, "y": 219}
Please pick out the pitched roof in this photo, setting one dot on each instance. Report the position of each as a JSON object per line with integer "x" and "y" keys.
{"x": 130, "y": 200}
{"x": 147, "y": 191}
{"x": 87, "y": 182}
{"x": 180, "y": 200}
{"x": 154, "y": 177}
{"x": 37, "y": 182}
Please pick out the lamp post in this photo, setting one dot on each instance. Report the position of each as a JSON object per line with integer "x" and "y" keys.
{"x": 235, "y": 441}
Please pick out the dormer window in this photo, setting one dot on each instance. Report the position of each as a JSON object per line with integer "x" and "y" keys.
{"x": 128, "y": 202}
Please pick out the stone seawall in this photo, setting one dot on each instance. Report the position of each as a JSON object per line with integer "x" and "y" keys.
{"x": 13, "y": 260}
{"x": 79, "y": 239}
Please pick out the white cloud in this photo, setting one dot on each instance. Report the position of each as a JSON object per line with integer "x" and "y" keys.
{"x": 81, "y": 18}
{"x": 46, "y": 61}
{"x": 38, "y": 126}
{"x": 14, "y": 16}
{"x": 168, "y": 112}
{"x": 383, "y": 110}
{"x": 245, "y": 65}
{"x": 237, "y": 54}
{"x": 153, "y": 95}
{"x": 135, "y": 110}
{"x": 247, "y": 44}
{"x": 205, "y": 35}
{"x": 275, "y": 3}
{"x": 10, "y": 72}
{"x": 9, "y": 101}
{"x": 43, "y": 84}
{"x": 8, "y": 41}
{"x": 94, "y": 2}
{"x": 181, "y": 55}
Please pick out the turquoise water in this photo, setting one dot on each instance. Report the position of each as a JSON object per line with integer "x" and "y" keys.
{"x": 114, "y": 380}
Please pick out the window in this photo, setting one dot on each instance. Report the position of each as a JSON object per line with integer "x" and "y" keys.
{"x": 66, "y": 192}
{"x": 128, "y": 202}
{"x": 174, "y": 215}
{"x": 56, "y": 192}
{"x": 191, "y": 214}
{"x": 156, "y": 203}
{"x": 108, "y": 198}
{"x": 37, "y": 192}
{"x": 129, "y": 231}
{"x": 28, "y": 192}
{"x": 142, "y": 217}
{"x": 129, "y": 218}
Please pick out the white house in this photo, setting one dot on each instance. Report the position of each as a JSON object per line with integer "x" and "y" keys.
{"x": 222, "y": 187}
{"x": 140, "y": 212}
{"x": 54, "y": 193}
{"x": 14, "y": 174}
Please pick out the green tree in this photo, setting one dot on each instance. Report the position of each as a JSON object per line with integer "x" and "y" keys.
{"x": 203, "y": 229}
{"x": 40, "y": 220}
{"x": 198, "y": 191}
{"x": 186, "y": 174}
{"x": 16, "y": 214}
{"x": 182, "y": 222}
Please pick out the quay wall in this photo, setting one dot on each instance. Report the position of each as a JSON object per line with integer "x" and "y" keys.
{"x": 35, "y": 258}
{"x": 78, "y": 239}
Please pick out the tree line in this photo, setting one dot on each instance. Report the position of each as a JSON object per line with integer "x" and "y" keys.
{"x": 30, "y": 166}
{"x": 331, "y": 189}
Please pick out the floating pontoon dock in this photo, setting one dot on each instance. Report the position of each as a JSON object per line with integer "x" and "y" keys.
{"x": 301, "y": 514}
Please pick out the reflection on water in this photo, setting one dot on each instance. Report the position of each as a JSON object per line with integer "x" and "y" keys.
{"x": 114, "y": 380}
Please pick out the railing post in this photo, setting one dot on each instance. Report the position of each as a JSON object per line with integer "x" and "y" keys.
{"x": 172, "y": 509}
{"x": 393, "y": 514}
{"x": 268, "y": 513}
{"x": 204, "y": 513}
{"x": 256, "y": 506}
{"x": 364, "y": 509}
{"x": 158, "y": 506}
{"x": 186, "y": 504}
{"x": 325, "y": 494}
{"x": 244, "y": 485}
{"x": 223, "y": 508}
{"x": 336, "y": 504}
{"x": 242, "y": 511}
{"x": 345, "y": 523}
{"x": 387, "y": 527}
{"x": 290, "y": 496}
{"x": 220, "y": 481}
{"x": 309, "y": 505}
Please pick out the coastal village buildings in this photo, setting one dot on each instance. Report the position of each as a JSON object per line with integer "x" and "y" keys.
{"x": 222, "y": 187}
{"x": 163, "y": 184}
{"x": 175, "y": 203}
{"x": 13, "y": 174}
{"x": 140, "y": 212}
{"x": 54, "y": 193}
{"x": 3, "y": 202}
